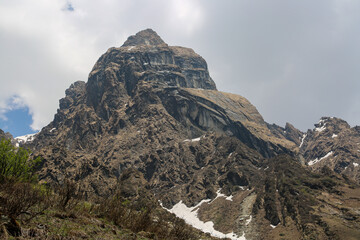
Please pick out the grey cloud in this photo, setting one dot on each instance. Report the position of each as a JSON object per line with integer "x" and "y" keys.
{"x": 294, "y": 60}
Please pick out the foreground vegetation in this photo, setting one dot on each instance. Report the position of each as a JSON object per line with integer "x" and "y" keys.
{"x": 29, "y": 210}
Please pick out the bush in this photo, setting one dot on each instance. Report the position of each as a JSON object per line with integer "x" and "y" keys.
{"x": 19, "y": 198}
{"x": 15, "y": 163}
{"x": 68, "y": 194}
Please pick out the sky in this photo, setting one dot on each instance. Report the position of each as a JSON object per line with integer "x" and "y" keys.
{"x": 296, "y": 61}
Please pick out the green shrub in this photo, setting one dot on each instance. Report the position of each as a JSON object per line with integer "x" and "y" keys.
{"x": 15, "y": 163}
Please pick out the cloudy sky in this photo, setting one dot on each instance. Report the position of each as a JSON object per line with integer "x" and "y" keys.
{"x": 294, "y": 60}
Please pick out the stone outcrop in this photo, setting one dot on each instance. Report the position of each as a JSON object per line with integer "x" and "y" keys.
{"x": 289, "y": 132}
{"x": 5, "y": 135}
{"x": 143, "y": 57}
{"x": 334, "y": 144}
{"x": 2, "y": 134}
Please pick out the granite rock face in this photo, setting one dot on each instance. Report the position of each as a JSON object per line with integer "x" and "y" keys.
{"x": 334, "y": 144}
{"x": 143, "y": 58}
{"x": 150, "y": 114}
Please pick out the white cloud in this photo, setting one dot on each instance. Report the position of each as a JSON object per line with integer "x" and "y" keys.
{"x": 42, "y": 53}
{"x": 15, "y": 102}
{"x": 45, "y": 47}
{"x": 287, "y": 57}
{"x": 188, "y": 14}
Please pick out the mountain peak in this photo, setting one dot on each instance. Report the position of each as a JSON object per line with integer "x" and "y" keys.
{"x": 144, "y": 37}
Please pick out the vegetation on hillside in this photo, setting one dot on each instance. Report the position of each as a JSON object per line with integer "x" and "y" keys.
{"x": 15, "y": 163}
{"x": 37, "y": 211}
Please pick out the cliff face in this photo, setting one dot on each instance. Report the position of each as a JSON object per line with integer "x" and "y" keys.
{"x": 333, "y": 144}
{"x": 143, "y": 96}
{"x": 143, "y": 58}
{"x": 154, "y": 108}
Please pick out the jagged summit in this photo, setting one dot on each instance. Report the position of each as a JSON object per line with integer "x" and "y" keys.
{"x": 335, "y": 144}
{"x": 143, "y": 59}
{"x": 144, "y": 37}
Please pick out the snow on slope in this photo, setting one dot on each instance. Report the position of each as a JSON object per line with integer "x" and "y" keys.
{"x": 23, "y": 139}
{"x": 312, "y": 162}
{"x": 193, "y": 140}
{"x": 190, "y": 215}
{"x": 302, "y": 140}
{"x": 322, "y": 126}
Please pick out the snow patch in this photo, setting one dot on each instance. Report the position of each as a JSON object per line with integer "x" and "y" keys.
{"x": 355, "y": 164}
{"x": 244, "y": 189}
{"x": 312, "y": 162}
{"x": 193, "y": 140}
{"x": 273, "y": 226}
{"x": 248, "y": 221}
{"x": 334, "y": 135}
{"x": 302, "y": 140}
{"x": 132, "y": 47}
{"x": 229, "y": 198}
{"x": 230, "y": 154}
{"x": 190, "y": 215}
{"x": 321, "y": 121}
{"x": 320, "y": 129}
{"x": 166, "y": 71}
{"x": 322, "y": 125}
{"x": 26, "y": 138}
{"x": 53, "y": 129}
{"x": 218, "y": 194}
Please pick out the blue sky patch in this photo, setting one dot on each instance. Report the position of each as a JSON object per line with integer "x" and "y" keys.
{"x": 69, "y": 7}
{"x": 18, "y": 122}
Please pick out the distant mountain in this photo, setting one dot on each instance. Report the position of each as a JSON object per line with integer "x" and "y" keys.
{"x": 335, "y": 145}
{"x": 2, "y": 134}
{"x": 5, "y": 135}
{"x": 21, "y": 140}
{"x": 207, "y": 156}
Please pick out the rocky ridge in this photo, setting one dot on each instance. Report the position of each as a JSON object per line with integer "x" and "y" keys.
{"x": 334, "y": 144}
{"x": 2, "y": 134}
{"x": 5, "y": 135}
{"x": 154, "y": 108}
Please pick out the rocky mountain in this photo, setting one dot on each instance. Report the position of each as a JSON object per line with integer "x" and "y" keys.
{"x": 2, "y": 134}
{"x": 334, "y": 144}
{"x": 5, "y": 135}
{"x": 206, "y": 156}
